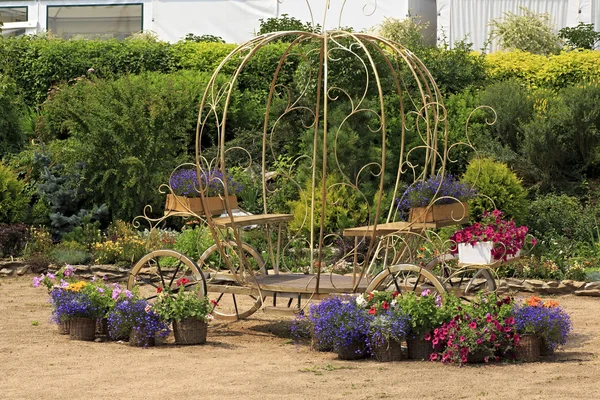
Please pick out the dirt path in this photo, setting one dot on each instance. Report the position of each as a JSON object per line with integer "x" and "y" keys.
{"x": 255, "y": 359}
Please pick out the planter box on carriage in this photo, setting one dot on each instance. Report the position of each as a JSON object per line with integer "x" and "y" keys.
{"x": 454, "y": 213}
{"x": 479, "y": 254}
{"x": 215, "y": 205}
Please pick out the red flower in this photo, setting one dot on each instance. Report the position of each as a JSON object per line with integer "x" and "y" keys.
{"x": 385, "y": 305}
{"x": 159, "y": 289}
{"x": 427, "y": 336}
{"x": 473, "y": 325}
{"x": 372, "y": 311}
{"x": 182, "y": 281}
{"x": 214, "y": 303}
{"x": 395, "y": 294}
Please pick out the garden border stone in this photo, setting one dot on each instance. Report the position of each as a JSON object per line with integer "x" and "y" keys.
{"x": 115, "y": 273}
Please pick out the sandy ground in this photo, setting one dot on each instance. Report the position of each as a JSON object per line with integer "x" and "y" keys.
{"x": 256, "y": 359}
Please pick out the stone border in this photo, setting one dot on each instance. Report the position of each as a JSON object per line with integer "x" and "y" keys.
{"x": 113, "y": 273}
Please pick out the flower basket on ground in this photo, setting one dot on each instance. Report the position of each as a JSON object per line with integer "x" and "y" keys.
{"x": 189, "y": 312}
{"x": 492, "y": 239}
{"x": 73, "y": 304}
{"x": 437, "y": 199}
{"x": 135, "y": 319}
{"x": 546, "y": 320}
{"x": 388, "y": 325}
{"x": 481, "y": 331}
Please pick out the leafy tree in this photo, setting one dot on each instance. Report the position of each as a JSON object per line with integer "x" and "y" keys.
{"x": 583, "y": 36}
{"x": 13, "y": 199}
{"x": 409, "y": 32}
{"x": 529, "y": 32}
{"x": 285, "y": 23}
{"x": 12, "y": 137}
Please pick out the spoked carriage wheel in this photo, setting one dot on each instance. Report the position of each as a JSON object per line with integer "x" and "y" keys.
{"x": 464, "y": 281}
{"x": 162, "y": 269}
{"x": 233, "y": 299}
{"x": 406, "y": 278}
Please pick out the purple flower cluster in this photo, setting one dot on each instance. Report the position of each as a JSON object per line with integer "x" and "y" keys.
{"x": 443, "y": 189}
{"x": 389, "y": 325}
{"x": 70, "y": 304}
{"x": 135, "y": 314}
{"x": 551, "y": 324}
{"x": 184, "y": 182}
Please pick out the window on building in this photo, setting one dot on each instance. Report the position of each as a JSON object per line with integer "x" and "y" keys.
{"x": 118, "y": 21}
{"x": 13, "y": 14}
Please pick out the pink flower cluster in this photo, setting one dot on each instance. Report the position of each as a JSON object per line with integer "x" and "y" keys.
{"x": 508, "y": 239}
{"x": 489, "y": 335}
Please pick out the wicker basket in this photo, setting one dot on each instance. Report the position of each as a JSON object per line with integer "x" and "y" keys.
{"x": 528, "y": 349}
{"x": 545, "y": 348}
{"x": 356, "y": 350}
{"x": 386, "y": 351}
{"x": 190, "y": 331}
{"x": 83, "y": 329}
{"x": 138, "y": 340}
{"x": 64, "y": 327}
{"x": 102, "y": 326}
{"x": 419, "y": 349}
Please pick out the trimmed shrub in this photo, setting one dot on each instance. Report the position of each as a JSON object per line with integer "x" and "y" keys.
{"x": 12, "y": 138}
{"x": 538, "y": 71}
{"x": 494, "y": 180}
{"x": 13, "y": 239}
{"x": 13, "y": 199}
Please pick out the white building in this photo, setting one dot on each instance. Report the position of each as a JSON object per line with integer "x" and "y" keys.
{"x": 237, "y": 20}
{"x": 233, "y": 20}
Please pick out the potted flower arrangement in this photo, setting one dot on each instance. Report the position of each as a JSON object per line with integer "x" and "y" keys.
{"x": 388, "y": 325}
{"x": 56, "y": 283}
{"x": 426, "y": 311}
{"x": 545, "y": 321}
{"x": 73, "y": 303}
{"x": 189, "y": 312}
{"x": 135, "y": 318}
{"x": 185, "y": 189}
{"x": 493, "y": 238}
{"x": 441, "y": 198}
{"x": 480, "y": 331}
{"x": 320, "y": 320}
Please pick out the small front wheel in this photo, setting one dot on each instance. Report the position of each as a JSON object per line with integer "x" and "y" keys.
{"x": 232, "y": 300}
{"x": 161, "y": 269}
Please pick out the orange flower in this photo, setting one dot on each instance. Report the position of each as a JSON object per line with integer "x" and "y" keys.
{"x": 534, "y": 301}
{"x": 551, "y": 303}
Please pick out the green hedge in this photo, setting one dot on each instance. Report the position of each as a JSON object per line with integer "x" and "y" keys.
{"x": 537, "y": 71}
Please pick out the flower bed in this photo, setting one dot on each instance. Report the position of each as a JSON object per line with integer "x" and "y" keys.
{"x": 487, "y": 329}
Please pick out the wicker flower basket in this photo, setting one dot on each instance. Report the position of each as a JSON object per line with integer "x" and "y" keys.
{"x": 419, "y": 349}
{"x": 388, "y": 350}
{"x": 355, "y": 351}
{"x": 545, "y": 348}
{"x": 528, "y": 349}
{"x": 102, "y": 326}
{"x": 477, "y": 357}
{"x": 190, "y": 331}
{"x": 83, "y": 329}
{"x": 138, "y": 340}
{"x": 64, "y": 327}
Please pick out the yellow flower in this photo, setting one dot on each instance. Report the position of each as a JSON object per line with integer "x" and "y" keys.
{"x": 77, "y": 286}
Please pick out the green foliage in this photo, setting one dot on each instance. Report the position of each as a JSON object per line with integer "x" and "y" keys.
{"x": 454, "y": 69}
{"x": 494, "y": 180}
{"x": 190, "y": 37}
{"x": 13, "y": 200}
{"x": 39, "y": 62}
{"x": 193, "y": 241}
{"x": 427, "y": 312}
{"x": 581, "y": 36}
{"x": 408, "y": 32}
{"x": 12, "y": 138}
{"x": 200, "y": 56}
{"x": 142, "y": 125}
{"x": 343, "y": 209}
{"x": 560, "y": 143}
{"x": 62, "y": 256}
{"x": 285, "y": 23}
{"x": 513, "y": 105}
{"x": 529, "y": 32}
{"x": 182, "y": 304}
{"x": 539, "y": 71}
